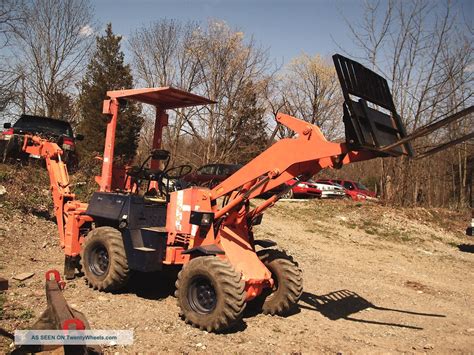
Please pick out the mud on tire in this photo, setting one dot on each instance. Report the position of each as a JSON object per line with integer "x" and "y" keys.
{"x": 104, "y": 261}
{"x": 288, "y": 283}
{"x": 210, "y": 294}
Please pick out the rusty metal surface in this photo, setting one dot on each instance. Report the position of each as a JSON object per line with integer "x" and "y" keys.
{"x": 57, "y": 303}
{"x": 164, "y": 97}
{"x": 58, "y": 315}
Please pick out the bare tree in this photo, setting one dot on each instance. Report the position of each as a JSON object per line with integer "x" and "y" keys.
{"x": 214, "y": 61}
{"x": 162, "y": 57}
{"x": 228, "y": 64}
{"x": 10, "y": 17}
{"x": 425, "y": 50}
{"x": 311, "y": 91}
{"x": 52, "y": 41}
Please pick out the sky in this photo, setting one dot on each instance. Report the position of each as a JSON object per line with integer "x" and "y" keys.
{"x": 286, "y": 27}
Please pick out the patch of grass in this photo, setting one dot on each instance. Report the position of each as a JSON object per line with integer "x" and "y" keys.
{"x": 405, "y": 237}
{"x": 449, "y": 219}
{"x": 4, "y": 175}
{"x": 347, "y": 224}
{"x": 13, "y": 310}
{"x": 380, "y": 230}
{"x": 26, "y": 314}
{"x": 435, "y": 237}
{"x": 27, "y": 188}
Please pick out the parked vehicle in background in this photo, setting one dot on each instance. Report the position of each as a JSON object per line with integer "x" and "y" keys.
{"x": 211, "y": 174}
{"x": 305, "y": 189}
{"x": 329, "y": 190}
{"x": 353, "y": 195}
{"x": 354, "y": 190}
{"x": 311, "y": 189}
{"x": 57, "y": 131}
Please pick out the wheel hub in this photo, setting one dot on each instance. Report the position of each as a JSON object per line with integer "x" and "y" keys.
{"x": 202, "y": 296}
{"x": 99, "y": 260}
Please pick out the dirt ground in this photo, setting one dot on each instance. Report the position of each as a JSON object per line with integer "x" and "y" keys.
{"x": 377, "y": 280}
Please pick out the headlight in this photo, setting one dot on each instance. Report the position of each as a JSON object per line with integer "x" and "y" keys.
{"x": 304, "y": 186}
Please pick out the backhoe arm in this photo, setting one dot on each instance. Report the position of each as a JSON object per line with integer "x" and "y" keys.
{"x": 58, "y": 175}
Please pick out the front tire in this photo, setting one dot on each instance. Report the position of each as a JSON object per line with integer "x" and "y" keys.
{"x": 288, "y": 283}
{"x": 210, "y": 293}
{"x": 104, "y": 260}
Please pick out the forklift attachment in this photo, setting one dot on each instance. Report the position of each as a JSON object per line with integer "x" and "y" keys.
{"x": 370, "y": 117}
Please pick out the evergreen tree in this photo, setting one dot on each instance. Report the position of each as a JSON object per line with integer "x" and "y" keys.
{"x": 107, "y": 71}
{"x": 249, "y": 131}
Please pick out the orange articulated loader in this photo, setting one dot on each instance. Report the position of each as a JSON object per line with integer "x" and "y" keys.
{"x": 122, "y": 230}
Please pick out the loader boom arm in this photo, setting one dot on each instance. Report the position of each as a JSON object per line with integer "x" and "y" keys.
{"x": 289, "y": 158}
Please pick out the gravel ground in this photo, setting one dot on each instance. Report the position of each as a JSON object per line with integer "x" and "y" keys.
{"x": 377, "y": 280}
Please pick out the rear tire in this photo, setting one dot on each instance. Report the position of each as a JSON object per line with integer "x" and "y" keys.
{"x": 210, "y": 293}
{"x": 288, "y": 283}
{"x": 104, "y": 260}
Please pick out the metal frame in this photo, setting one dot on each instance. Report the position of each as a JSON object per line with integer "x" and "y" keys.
{"x": 368, "y": 127}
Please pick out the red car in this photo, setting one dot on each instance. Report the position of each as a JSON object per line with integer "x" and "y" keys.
{"x": 302, "y": 189}
{"x": 355, "y": 190}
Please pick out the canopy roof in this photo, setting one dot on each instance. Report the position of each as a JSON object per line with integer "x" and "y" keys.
{"x": 164, "y": 97}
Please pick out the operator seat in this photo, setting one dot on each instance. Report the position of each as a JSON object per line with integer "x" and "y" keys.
{"x": 139, "y": 173}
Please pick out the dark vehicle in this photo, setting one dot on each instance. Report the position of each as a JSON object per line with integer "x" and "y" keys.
{"x": 52, "y": 129}
{"x": 211, "y": 174}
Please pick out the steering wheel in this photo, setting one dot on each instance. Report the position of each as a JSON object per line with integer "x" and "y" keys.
{"x": 180, "y": 171}
{"x": 172, "y": 181}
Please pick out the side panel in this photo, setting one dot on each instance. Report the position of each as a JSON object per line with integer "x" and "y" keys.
{"x": 141, "y": 223}
{"x": 145, "y": 249}
{"x": 145, "y": 236}
{"x": 182, "y": 203}
{"x": 189, "y": 224}
{"x": 107, "y": 205}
